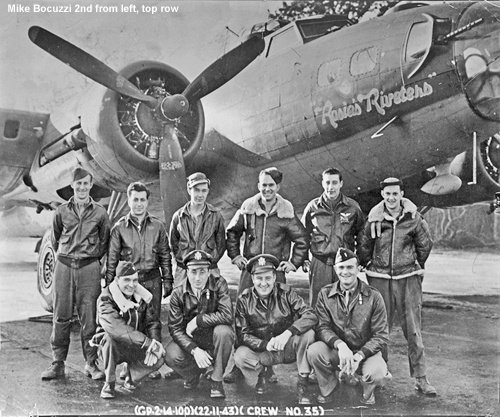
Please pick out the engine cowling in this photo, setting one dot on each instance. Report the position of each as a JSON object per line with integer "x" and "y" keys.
{"x": 123, "y": 133}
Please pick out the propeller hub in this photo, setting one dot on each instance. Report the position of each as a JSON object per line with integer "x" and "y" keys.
{"x": 174, "y": 107}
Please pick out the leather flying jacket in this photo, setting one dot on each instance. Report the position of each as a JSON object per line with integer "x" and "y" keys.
{"x": 212, "y": 239}
{"x": 257, "y": 322}
{"x": 80, "y": 237}
{"x": 402, "y": 248}
{"x": 146, "y": 247}
{"x": 131, "y": 322}
{"x": 330, "y": 229}
{"x": 362, "y": 326}
{"x": 213, "y": 308}
{"x": 272, "y": 234}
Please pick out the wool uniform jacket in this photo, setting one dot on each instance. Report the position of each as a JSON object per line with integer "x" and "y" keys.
{"x": 362, "y": 325}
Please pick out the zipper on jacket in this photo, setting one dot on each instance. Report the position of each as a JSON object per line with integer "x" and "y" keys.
{"x": 264, "y": 233}
{"x": 392, "y": 246}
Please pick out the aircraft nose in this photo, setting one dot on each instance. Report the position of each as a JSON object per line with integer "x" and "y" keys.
{"x": 477, "y": 54}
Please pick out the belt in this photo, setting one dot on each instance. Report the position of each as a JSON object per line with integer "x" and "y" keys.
{"x": 328, "y": 260}
{"x": 76, "y": 263}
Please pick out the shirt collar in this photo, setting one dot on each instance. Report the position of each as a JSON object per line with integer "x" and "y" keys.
{"x": 72, "y": 202}
{"x": 188, "y": 209}
{"x": 326, "y": 202}
{"x": 337, "y": 290}
{"x": 129, "y": 218}
{"x": 210, "y": 285}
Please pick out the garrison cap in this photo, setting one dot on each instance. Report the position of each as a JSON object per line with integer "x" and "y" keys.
{"x": 80, "y": 173}
{"x": 391, "y": 181}
{"x": 344, "y": 254}
{"x": 261, "y": 263}
{"x": 197, "y": 178}
{"x": 125, "y": 269}
{"x": 273, "y": 172}
{"x": 197, "y": 258}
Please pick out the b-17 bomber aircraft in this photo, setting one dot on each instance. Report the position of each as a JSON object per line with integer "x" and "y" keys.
{"x": 414, "y": 94}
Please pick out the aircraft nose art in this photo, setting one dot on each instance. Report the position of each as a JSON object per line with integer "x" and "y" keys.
{"x": 477, "y": 54}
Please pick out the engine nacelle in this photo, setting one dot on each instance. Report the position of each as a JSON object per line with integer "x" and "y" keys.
{"x": 124, "y": 134}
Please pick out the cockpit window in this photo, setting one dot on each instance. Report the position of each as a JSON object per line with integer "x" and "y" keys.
{"x": 364, "y": 61}
{"x": 419, "y": 41}
{"x": 282, "y": 41}
{"x": 417, "y": 46}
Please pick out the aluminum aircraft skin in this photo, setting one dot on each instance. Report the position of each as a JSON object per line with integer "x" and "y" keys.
{"x": 413, "y": 94}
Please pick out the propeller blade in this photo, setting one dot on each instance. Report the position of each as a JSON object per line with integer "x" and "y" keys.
{"x": 225, "y": 68}
{"x": 172, "y": 173}
{"x": 86, "y": 64}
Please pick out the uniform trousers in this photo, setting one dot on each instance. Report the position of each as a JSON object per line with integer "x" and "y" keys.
{"x": 154, "y": 285}
{"x": 251, "y": 363}
{"x": 184, "y": 363}
{"x": 113, "y": 352}
{"x": 405, "y": 297}
{"x": 320, "y": 274}
{"x": 246, "y": 280}
{"x": 325, "y": 362}
{"x": 75, "y": 288}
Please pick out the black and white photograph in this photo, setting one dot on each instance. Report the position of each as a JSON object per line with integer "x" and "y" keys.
{"x": 249, "y": 208}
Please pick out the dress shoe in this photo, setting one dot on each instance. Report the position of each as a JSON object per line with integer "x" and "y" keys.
{"x": 171, "y": 375}
{"x": 313, "y": 378}
{"x": 56, "y": 370}
{"x": 155, "y": 375}
{"x": 271, "y": 376}
{"x": 262, "y": 385}
{"x": 217, "y": 390}
{"x": 128, "y": 384}
{"x": 108, "y": 390}
{"x": 192, "y": 383}
{"x": 422, "y": 385}
{"x": 326, "y": 399}
{"x": 302, "y": 397}
{"x": 233, "y": 376}
{"x": 368, "y": 400}
{"x": 92, "y": 371}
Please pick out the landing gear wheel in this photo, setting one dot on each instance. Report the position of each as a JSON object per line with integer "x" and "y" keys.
{"x": 45, "y": 272}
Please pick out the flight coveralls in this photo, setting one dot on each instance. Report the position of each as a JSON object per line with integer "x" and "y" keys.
{"x": 394, "y": 263}
{"x": 80, "y": 240}
{"x": 146, "y": 246}
{"x": 271, "y": 233}
{"x": 329, "y": 228}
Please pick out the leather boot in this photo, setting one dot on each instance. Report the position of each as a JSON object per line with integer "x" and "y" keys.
{"x": 56, "y": 370}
